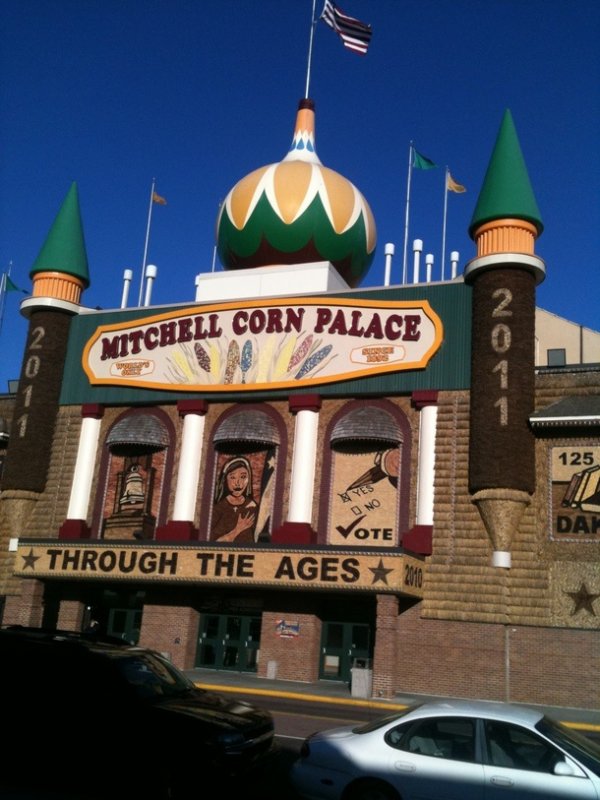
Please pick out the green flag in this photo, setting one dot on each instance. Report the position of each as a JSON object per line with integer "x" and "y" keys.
{"x": 11, "y": 286}
{"x": 422, "y": 162}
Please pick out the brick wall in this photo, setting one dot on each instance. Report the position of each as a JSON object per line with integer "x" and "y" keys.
{"x": 70, "y": 615}
{"x": 172, "y": 630}
{"x": 386, "y": 646}
{"x": 296, "y": 657}
{"x": 547, "y": 666}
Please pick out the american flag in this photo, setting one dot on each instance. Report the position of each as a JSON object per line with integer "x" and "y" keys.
{"x": 354, "y": 34}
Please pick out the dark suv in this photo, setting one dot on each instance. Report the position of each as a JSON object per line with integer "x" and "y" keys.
{"x": 90, "y": 718}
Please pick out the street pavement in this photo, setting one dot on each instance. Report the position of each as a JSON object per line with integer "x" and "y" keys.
{"x": 338, "y": 693}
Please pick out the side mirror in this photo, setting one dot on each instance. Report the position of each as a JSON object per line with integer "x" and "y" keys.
{"x": 567, "y": 769}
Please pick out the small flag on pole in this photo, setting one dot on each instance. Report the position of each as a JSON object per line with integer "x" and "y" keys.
{"x": 453, "y": 186}
{"x": 420, "y": 161}
{"x": 156, "y": 198}
{"x": 11, "y": 286}
{"x": 354, "y": 34}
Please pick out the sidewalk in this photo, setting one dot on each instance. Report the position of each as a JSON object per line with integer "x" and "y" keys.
{"x": 335, "y": 692}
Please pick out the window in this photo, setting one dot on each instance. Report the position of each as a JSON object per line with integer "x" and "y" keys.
{"x": 557, "y": 357}
{"x": 446, "y": 737}
{"x": 512, "y": 746}
{"x": 366, "y": 443}
{"x": 246, "y": 447}
{"x": 136, "y": 465}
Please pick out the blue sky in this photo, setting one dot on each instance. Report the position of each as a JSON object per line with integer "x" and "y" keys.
{"x": 114, "y": 93}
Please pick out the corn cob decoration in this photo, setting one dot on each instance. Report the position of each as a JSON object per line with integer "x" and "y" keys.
{"x": 301, "y": 351}
{"x": 283, "y": 358}
{"x": 246, "y": 359}
{"x": 202, "y": 357}
{"x": 233, "y": 360}
{"x": 312, "y": 361}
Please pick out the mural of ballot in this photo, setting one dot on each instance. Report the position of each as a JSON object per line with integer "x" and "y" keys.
{"x": 386, "y": 464}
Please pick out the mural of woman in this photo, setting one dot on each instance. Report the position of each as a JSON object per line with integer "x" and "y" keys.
{"x": 234, "y": 509}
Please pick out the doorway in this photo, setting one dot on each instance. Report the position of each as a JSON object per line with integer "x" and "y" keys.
{"x": 229, "y": 642}
{"x": 125, "y": 624}
{"x": 341, "y": 644}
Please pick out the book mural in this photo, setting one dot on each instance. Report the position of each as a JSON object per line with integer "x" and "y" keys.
{"x": 575, "y": 476}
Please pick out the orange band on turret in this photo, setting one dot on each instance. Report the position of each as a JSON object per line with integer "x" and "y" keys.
{"x": 505, "y": 236}
{"x": 57, "y": 285}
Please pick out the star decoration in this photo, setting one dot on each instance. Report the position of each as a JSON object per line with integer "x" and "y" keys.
{"x": 380, "y": 573}
{"x": 29, "y": 560}
{"x": 583, "y": 599}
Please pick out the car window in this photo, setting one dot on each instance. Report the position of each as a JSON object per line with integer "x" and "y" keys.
{"x": 512, "y": 746}
{"x": 576, "y": 744}
{"x": 149, "y": 675}
{"x": 442, "y": 737}
{"x": 381, "y": 722}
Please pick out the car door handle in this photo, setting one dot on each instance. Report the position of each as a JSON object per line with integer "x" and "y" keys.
{"x": 404, "y": 766}
{"x": 498, "y": 781}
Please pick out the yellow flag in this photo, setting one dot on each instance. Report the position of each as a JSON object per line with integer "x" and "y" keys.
{"x": 156, "y": 198}
{"x": 453, "y": 186}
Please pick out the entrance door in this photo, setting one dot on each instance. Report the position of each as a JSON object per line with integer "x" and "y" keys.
{"x": 341, "y": 644}
{"x": 125, "y": 623}
{"x": 229, "y": 641}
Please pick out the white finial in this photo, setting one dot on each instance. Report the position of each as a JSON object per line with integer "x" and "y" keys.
{"x": 454, "y": 256}
{"x": 151, "y": 272}
{"x": 429, "y": 264}
{"x": 417, "y": 250}
{"x": 389, "y": 251}
{"x": 127, "y": 278}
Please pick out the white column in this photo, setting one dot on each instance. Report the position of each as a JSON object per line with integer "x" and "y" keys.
{"x": 306, "y": 408}
{"x": 186, "y": 491}
{"x": 426, "y": 475}
{"x": 81, "y": 488}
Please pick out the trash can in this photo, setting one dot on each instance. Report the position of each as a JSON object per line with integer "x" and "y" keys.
{"x": 272, "y": 670}
{"x": 361, "y": 678}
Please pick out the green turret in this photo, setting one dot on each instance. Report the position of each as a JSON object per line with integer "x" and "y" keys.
{"x": 505, "y": 224}
{"x": 64, "y": 249}
{"x": 506, "y": 191}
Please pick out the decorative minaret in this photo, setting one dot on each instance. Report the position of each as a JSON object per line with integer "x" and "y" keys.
{"x": 59, "y": 275}
{"x": 506, "y": 222}
{"x": 297, "y": 211}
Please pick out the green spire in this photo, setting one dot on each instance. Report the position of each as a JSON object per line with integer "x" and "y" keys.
{"x": 64, "y": 248}
{"x": 506, "y": 192}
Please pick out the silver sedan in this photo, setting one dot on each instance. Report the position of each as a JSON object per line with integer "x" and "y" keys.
{"x": 454, "y": 750}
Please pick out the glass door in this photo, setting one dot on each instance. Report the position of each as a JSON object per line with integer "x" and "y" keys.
{"x": 125, "y": 624}
{"x": 341, "y": 644}
{"x": 229, "y": 641}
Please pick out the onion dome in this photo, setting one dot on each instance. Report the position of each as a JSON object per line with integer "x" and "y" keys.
{"x": 297, "y": 211}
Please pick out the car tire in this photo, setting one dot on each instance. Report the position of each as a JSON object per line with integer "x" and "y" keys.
{"x": 371, "y": 790}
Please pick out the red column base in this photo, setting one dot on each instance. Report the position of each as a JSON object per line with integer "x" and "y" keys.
{"x": 177, "y": 531}
{"x": 294, "y": 533}
{"x": 419, "y": 539}
{"x": 74, "y": 529}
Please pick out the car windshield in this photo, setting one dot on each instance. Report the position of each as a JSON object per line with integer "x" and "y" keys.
{"x": 381, "y": 722}
{"x": 576, "y": 744}
{"x": 150, "y": 675}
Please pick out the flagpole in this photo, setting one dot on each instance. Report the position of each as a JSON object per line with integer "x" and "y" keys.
{"x": 410, "y": 160}
{"x": 146, "y": 242}
{"x": 2, "y": 296}
{"x": 444, "y": 222}
{"x": 3, "y": 282}
{"x": 310, "y": 47}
